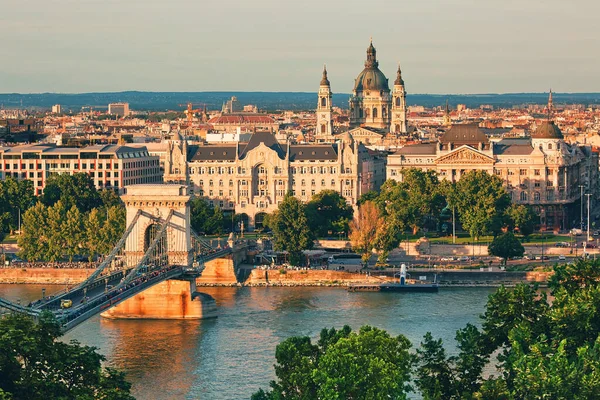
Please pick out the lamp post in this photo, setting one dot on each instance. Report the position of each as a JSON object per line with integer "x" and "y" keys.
{"x": 453, "y": 227}
{"x": 581, "y": 211}
{"x": 588, "y": 216}
{"x": 542, "y": 231}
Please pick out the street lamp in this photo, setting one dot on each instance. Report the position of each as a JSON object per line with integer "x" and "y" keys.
{"x": 588, "y": 216}
{"x": 542, "y": 231}
{"x": 581, "y": 211}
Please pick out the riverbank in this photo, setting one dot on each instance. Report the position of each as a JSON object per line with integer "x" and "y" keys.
{"x": 292, "y": 278}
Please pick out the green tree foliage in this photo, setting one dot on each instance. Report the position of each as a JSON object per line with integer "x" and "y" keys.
{"x": 205, "y": 218}
{"x": 423, "y": 200}
{"x": 51, "y": 233}
{"x": 328, "y": 213}
{"x": 506, "y": 246}
{"x": 521, "y": 217}
{"x": 481, "y": 202}
{"x": 370, "y": 364}
{"x": 15, "y": 196}
{"x": 73, "y": 190}
{"x": 291, "y": 232}
{"x": 35, "y": 365}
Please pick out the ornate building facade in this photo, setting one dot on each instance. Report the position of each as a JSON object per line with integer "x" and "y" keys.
{"x": 542, "y": 171}
{"x": 253, "y": 178}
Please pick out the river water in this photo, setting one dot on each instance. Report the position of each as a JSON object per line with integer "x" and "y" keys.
{"x": 232, "y": 356}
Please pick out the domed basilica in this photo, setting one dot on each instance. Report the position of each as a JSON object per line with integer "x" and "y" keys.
{"x": 374, "y": 109}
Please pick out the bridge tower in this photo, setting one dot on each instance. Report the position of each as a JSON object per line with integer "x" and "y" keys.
{"x": 156, "y": 202}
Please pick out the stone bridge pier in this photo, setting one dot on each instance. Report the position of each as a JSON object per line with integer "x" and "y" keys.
{"x": 175, "y": 298}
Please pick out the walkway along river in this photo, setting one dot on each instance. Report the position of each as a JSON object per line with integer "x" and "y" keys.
{"x": 232, "y": 356}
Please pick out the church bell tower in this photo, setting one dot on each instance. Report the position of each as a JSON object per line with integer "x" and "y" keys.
{"x": 324, "y": 130}
{"x": 399, "y": 124}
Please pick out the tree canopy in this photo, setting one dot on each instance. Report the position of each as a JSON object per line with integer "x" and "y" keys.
{"x": 521, "y": 217}
{"x": 73, "y": 190}
{"x": 328, "y": 213}
{"x": 16, "y": 196}
{"x": 291, "y": 232}
{"x": 369, "y": 364}
{"x": 506, "y": 246}
{"x": 481, "y": 201}
{"x": 206, "y": 219}
{"x": 35, "y": 365}
{"x": 363, "y": 230}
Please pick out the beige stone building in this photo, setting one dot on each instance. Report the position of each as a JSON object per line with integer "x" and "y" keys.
{"x": 252, "y": 178}
{"x": 542, "y": 171}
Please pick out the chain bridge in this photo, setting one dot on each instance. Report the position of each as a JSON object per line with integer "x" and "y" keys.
{"x": 157, "y": 245}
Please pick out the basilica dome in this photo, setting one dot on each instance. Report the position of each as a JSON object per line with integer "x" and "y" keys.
{"x": 371, "y": 78}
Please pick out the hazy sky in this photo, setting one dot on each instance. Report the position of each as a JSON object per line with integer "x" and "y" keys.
{"x": 444, "y": 46}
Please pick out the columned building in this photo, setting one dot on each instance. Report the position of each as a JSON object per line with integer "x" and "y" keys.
{"x": 542, "y": 171}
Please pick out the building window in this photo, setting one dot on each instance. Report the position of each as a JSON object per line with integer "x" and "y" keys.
{"x": 536, "y": 172}
{"x": 333, "y": 182}
{"x": 322, "y": 182}
{"x": 303, "y": 183}
{"x": 522, "y": 172}
{"x": 523, "y": 196}
{"x": 374, "y": 113}
{"x": 312, "y": 182}
{"x": 536, "y": 196}
{"x": 210, "y": 183}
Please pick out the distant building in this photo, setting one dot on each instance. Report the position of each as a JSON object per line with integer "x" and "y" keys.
{"x": 56, "y": 109}
{"x": 120, "y": 109}
{"x": 231, "y": 106}
{"x": 110, "y": 166}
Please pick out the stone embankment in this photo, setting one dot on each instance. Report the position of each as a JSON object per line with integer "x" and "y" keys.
{"x": 223, "y": 274}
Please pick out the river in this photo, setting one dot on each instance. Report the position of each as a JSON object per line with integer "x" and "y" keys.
{"x": 232, "y": 356}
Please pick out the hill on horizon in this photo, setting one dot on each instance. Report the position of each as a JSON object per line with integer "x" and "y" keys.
{"x": 271, "y": 101}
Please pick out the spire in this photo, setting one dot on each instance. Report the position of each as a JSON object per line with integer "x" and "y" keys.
{"x": 324, "y": 80}
{"x": 550, "y": 105}
{"x": 371, "y": 56}
{"x": 399, "y": 80}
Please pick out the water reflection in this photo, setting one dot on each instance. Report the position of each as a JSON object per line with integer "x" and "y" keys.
{"x": 232, "y": 356}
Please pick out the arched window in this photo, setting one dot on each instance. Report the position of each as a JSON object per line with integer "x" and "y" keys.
{"x": 383, "y": 112}
{"x": 323, "y": 102}
{"x": 322, "y": 182}
{"x": 523, "y": 196}
{"x": 549, "y": 146}
{"x": 210, "y": 183}
{"x": 261, "y": 169}
{"x": 312, "y": 182}
{"x": 397, "y": 102}
{"x": 323, "y": 128}
{"x": 374, "y": 112}
{"x": 536, "y": 196}
{"x": 303, "y": 183}
{"x": 230, "y": 183}
{"x": 366, "y": 113}
{"x": 333, "y": 182}
{"x": 397, "y": 128}
{"x": 220, "y": 182}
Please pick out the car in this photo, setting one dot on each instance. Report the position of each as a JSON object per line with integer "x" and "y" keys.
{"x": 66, "y": 303}
{"x": 464, "y": 258}
{"x": 562, "y": 257}
{"x": 526, "y": 257}
{"x": 576, "y": 232}
{"x": 596, "y": 233}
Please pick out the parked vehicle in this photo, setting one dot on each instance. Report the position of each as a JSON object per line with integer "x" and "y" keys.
{"x": 576, "y": 232}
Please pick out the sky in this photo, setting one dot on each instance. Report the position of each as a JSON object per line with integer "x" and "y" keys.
{"x": 443, "y": 46}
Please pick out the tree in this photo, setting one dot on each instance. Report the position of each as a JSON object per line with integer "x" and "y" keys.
{"x": 327, "y": 212}
{"x": 35, "y": 365}
{"x": 35, "y": 238}
{"x": 54, "y": 223}
{"x": 112, "y": 229}
{"x": 93, "y": 228}
{"x": 73, "y": 233}
{"x": 481, "y": 201}
{"x": 77, "y": 189}
{"x": 363, "y": 230}
{"x": 110, "y": 198}
{"x": 423, "y": 197}
{"x": 205, "y": 218}
{"x": 506, "y": 246}
{"x": 16, "y": 196}
{"x": 521, "y": 217}
{"x": 291, "y": 232}
{"x": 370, "y": 364}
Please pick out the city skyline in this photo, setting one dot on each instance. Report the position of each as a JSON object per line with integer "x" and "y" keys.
{"x": 458, "y": 47}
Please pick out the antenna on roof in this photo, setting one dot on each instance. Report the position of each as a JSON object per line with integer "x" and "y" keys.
{"x": 550, "y": 105}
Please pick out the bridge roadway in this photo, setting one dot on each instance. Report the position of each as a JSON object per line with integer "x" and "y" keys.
{"x": 98, "y": 296}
